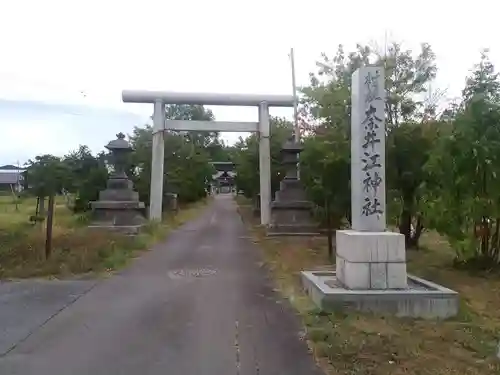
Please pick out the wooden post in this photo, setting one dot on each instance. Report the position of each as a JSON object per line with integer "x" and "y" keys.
{"x": 329, "y": 231}
{"x": 14, "y": 196}
{"x": 48, "y": 237}
{"x": 41, "y": 206}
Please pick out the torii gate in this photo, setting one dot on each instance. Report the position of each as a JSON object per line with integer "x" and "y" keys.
{"x": 160, "y": 124}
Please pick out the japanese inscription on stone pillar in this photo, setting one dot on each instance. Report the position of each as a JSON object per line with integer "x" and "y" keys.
{"x": 368, "y": 150}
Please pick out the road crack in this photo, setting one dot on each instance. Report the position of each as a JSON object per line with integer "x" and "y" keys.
{"x": 237, "y": 348}
{"x": 40, "y": 326}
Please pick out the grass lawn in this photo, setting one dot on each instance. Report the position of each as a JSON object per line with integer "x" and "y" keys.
{"x": 76, "y": 248}
{"x": 368, "y": 344}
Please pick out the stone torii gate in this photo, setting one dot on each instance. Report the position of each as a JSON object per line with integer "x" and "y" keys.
{"x": 160, "y": 124}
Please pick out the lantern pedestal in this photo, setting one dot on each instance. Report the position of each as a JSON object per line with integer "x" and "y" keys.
{"x": 118, "y": 207}
{"x": 291, "y": 212}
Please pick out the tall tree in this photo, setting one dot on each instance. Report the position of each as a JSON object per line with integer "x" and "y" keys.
{"x": 88, "y": 176}
{"x": 195, "y": 113}
{"x": 46, "y": 175}
{"x": 465, "y": 204}
{"x": 186, "y": 160}
{"x": 326, "y": 108}
{"x": 247, "y": 158}
{"x": 406, "y": 79}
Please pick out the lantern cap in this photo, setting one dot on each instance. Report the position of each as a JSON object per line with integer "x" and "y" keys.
{"x": 291, "y": 146}
{"x": 119, "y": 143}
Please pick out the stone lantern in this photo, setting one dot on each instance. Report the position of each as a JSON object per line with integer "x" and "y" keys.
{"x": 290, "y": 154}
{"x": 291, "y": 212}
{"x": 118, "y": 206}
{"x": 120, "y": 151}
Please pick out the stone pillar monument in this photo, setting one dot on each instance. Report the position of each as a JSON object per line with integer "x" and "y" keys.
{"x": 291, "y": 211}
{"x": 118, "y": 206}
{"x": 369, "y": 256}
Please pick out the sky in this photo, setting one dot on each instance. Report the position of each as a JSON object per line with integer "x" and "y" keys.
{"x": 63, "y": 64}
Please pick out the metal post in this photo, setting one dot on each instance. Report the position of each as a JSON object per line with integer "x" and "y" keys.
{"x": 156, "y": 192}
{"x": 295, "y": 109}
{"x": 264, "y": 164}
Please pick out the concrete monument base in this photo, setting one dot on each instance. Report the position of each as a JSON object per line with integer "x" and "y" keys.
{"x": 371, "y": 276}
{"x": 118, "y": 208}
{"x": 421, "y": 298}
{"x": 371, "y": 260}
{"x": 121, "y": 216}
{"x": 292, "y": 218}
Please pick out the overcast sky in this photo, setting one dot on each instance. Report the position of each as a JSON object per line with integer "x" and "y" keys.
{"x": 52, "y": 51}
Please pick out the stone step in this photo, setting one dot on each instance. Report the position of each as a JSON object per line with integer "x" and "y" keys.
{"x": 293, "y": 230}
{"x": 292, "y": 205}
{"x": 125, "y": 229}
{"x": 117, "y": 205}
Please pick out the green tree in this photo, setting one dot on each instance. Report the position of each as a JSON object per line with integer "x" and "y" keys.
{"x": 406, "y": 78}
{"x": 325, "y": 171}
{"x": 186, "y": 159}
{"x": 196, "y": 113}
{"x": 218, "y": 151}
{"x": 46, "y": 175}
{"x": 88, "y": 176}
{"x": 465, "y": 202}
{"x": 326, "y": 109}
{"x": 409, "y": 148}
{"x": 246, "y": 158}
{"x": 325, "y": 112}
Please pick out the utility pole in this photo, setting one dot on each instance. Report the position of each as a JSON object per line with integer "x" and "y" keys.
{"x": 295, "y": 110}
{"x": 385, "y": 48}
{"x": 17, "y": 190}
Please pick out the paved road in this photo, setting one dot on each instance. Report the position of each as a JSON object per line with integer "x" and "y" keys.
{"x": 198, "y": 304}
{"x": 26, "y": 305}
